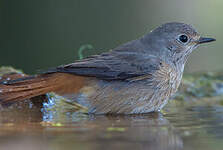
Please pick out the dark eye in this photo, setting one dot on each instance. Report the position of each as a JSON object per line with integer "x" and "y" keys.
{"x": 183, "y": 38}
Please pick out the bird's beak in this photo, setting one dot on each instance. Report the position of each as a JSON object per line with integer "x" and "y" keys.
{"x": 205, "y": 40}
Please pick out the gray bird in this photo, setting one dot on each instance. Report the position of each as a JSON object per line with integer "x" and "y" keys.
{"x": 137, "y": 77}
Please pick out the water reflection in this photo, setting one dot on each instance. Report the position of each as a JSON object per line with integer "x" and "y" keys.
{"x": 194, "y": 127}
{"x": 151, "y": 131}
{"x": 132, "y": 132}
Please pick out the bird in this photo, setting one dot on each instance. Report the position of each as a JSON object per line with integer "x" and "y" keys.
{"x": 137, "y": 77}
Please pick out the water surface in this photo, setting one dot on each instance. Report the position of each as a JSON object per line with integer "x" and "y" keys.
{"x": 61, "y": 128}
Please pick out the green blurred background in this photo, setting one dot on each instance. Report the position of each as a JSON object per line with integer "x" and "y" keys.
{"x": 38, "y": 34}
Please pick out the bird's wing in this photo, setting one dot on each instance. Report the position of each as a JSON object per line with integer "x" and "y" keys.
{"x": 114, "y": 65}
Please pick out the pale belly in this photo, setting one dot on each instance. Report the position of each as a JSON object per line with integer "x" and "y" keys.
{"x": 118, "y": 97}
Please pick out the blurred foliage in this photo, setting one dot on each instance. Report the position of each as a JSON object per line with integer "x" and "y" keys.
{"x": 84, "y": 48}
{"x": 7, "y": 70}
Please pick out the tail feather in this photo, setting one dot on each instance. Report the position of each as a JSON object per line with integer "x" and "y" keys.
{"x": 32, "y": 86}
{"x": 26, "y": 88}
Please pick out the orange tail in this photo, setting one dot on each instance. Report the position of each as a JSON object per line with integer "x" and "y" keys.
{"x": 28, "y": 87}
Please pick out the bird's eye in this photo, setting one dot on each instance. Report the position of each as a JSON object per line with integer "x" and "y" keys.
{"x": 183, "y": 38}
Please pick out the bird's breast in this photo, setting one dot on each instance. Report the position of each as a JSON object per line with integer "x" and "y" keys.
{"x": 167, "y": 79}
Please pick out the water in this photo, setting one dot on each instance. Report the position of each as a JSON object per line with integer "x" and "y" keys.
{"x": 192, "y": 127}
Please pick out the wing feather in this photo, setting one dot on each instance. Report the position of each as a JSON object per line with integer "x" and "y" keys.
{"x": 114, "y": 65}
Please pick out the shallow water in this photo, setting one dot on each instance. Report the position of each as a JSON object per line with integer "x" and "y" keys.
{"x": 29, "y": 127}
